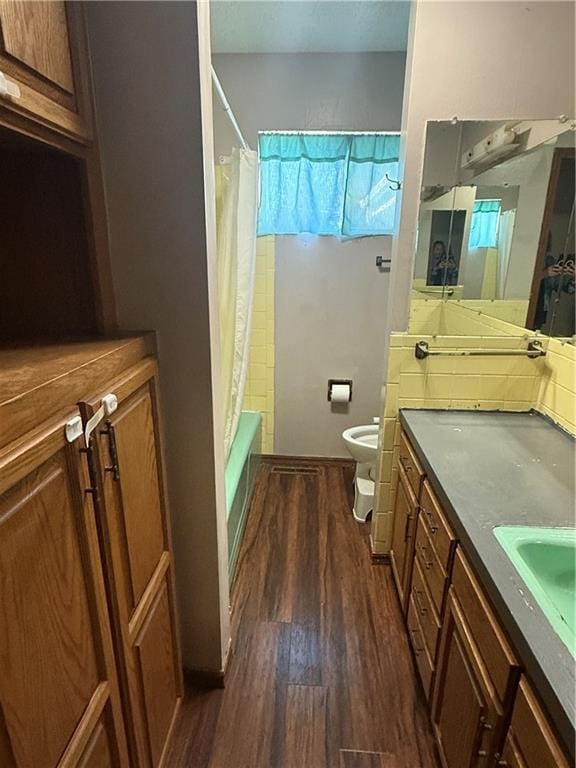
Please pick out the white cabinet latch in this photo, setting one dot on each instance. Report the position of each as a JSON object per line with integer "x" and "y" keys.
{"x": 8, "y": 88}
{"x": 108, "y": 405}
{"x": 74, "y": 429}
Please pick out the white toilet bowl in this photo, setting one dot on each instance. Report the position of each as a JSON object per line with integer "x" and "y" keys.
{"x": 362, "y": 444}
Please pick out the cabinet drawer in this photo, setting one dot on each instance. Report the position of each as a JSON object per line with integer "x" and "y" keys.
{"x": 441, "y": 536}
{"x": 425, "y": 608}
{"x": 416, "y": 635}
{"x": 493, "y": 646}
{"x": 530, "y": 741}
{"x": 430, "y": 567}
{"x": 410, "y": 465}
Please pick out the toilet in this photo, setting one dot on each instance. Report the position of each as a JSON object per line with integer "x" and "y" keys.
{"x": 362, "y": 444}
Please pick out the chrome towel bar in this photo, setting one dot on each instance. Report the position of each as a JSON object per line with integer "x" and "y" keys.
{"x": 534, "y": 349}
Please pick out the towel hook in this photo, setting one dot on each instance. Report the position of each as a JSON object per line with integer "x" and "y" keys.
{"x": 397, "y": 184}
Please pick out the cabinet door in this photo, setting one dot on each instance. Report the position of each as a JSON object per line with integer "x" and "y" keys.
{"x": 402, "y": 550}
{"x": 531, "y": 743}
{"x": 136, "y": 537}
{"x": 58, "y": 686}
{"x": 465, "y": 713}
{"x": 43, "y": 51}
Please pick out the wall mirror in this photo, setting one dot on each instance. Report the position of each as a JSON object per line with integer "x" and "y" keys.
{"x": 496, "y": 221}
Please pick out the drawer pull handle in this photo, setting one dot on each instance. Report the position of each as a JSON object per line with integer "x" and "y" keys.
{"x": 423, "y": 611}
{"x": 429, "y": 515}
{"x": 427, "y": 563}
{"x": 407, "y": 526}
{"x": 417, "y": 650}
{"x": 405, "y": 466}
{"x": 112, "y": 450}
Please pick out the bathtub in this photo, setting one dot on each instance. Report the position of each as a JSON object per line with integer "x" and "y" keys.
{"x": 240, "y": 474}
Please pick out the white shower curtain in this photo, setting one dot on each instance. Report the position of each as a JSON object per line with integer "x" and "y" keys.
{"x": 236, "y": 267}
{"x": 505, "y": 232}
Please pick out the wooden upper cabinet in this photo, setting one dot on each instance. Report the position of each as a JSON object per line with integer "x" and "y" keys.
{"x": 59, "y": 697}
{"x": 43, "y": 51}
{"x": 138, "y": 555}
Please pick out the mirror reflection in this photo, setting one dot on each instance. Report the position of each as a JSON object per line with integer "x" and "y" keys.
{"x": 496, "y": 221}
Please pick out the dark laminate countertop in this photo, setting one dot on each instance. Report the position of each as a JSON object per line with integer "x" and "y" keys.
{"x": 494, "y": 468}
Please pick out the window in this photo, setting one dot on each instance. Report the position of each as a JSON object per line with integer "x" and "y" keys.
{"x": 327, "y": 184}
{"x": 484, "y": 226}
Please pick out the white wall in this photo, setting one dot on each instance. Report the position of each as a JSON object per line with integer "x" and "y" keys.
{"x": 476, "y": 61}
{"x": 148, "y": 97}
{"x": 330, "y": 301}
{"x": 330, "y": 310}
{"x": 308, "y": 91}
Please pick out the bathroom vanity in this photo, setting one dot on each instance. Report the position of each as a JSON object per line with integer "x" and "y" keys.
{"x": 499, "y": 679}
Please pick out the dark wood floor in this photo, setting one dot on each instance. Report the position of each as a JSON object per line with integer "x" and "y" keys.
{"x": 320, "y": 673}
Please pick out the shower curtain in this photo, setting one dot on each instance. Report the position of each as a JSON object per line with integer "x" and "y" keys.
{"x": 236, "y": 266}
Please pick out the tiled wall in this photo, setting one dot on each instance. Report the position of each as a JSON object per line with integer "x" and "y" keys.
{"x": 479, "y": 383}
{"x": 557, "y": 391}
{"x": 259, "y": 395}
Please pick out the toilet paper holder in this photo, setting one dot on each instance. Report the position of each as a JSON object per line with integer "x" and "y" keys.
{"x": 332, "y": 382}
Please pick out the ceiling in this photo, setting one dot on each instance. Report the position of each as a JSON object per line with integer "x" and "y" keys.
{"x": 311, "y": 26}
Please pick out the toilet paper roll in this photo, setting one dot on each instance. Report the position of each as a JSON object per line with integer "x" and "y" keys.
{"x": 340, "y": 393}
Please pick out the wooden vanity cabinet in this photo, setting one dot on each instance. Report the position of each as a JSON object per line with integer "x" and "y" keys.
{"x": 138, "y": 560}
{"x": 43, "y": 51}
{"x": 403, "y": 535}
{"x": 530, "y": 742}
{"x": 476, "y": 675}
{"x": 59, "y": 697}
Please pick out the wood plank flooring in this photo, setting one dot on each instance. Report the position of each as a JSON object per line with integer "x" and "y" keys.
{"x": 320, "y": 674}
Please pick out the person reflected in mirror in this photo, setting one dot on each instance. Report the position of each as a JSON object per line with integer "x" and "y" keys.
{"x": 444, "y": 268}
{"x": 556, "y": 295}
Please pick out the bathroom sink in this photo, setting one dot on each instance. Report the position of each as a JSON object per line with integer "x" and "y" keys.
{"x": 546, "y": 560}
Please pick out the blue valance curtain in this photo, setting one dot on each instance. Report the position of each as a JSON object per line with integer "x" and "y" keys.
{"x": 484, "y": 225}
{"x": 327, "y": 184}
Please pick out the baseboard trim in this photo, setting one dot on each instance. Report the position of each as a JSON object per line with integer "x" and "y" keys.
{"x": 378, "y": 557}
{"x": 277, "y": 458}
{"x": 204, "y": 678}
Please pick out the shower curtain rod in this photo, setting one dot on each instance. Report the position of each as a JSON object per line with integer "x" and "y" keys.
{"x": 331, "y": 133}
{"x": 228, "y": 109}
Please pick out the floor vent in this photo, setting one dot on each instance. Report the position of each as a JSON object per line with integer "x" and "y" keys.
{"x": 290, "y": 470}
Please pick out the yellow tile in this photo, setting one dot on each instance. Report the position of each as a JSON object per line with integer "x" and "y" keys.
{"x": 259, "y": 320}
{"x": 258, "y": 388}
{"x": 257, "y": 337}
{"x": 382, "y": 497}
{"x": 270, "y": 355}
{"x": 257, "y": 371}
{"x": 521, "y": 388}
{"x": 391, "y": 400}
{"x": 270, "y": 401}
{"x": 464, "y": 405}
{"x": 466, "y": 387}
{"x": 382, "y": 530}
{"x": 494, "y": 388}
{"x": 411, "y": 385}
{"x": 385, "y": 467}
{"x": 259, "y": 403}
{"x": 259, "y": 304}
{"x": 258, "y": 355}
{"x": 388, "y": 428}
